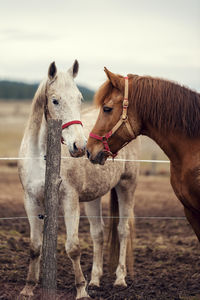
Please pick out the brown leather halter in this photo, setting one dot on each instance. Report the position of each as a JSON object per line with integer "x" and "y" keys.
{"x": 123, "y": 120}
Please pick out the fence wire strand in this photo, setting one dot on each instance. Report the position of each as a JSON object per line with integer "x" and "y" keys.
{"x": 110, "y": 159}
{"x": 104, "y": 217}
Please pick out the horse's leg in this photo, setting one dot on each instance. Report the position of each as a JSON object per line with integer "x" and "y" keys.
{"x": 125, "y": 201}
{"x": 183, "y": 193}
{"x": 194, "y": 219}
{"x": 72, "y": 215}
{"x": 36, "y": 228}
{"x": 93, "y": 209}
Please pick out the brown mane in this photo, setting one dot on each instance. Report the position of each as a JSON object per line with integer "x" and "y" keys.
{"x": 166, "y": 105}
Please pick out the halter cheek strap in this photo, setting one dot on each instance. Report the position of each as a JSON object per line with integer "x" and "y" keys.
{"x": 123, "y": 120}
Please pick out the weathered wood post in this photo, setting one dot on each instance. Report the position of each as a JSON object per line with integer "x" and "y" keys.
{"x": 52, "y": 184}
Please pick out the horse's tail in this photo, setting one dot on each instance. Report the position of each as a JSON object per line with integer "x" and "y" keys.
{"x": 113, "y": 238}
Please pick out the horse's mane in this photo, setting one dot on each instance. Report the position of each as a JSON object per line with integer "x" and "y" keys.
{"x": 37, "y": 108}
{"x": 39, "y": 96}
{"x": 164, "y": 104}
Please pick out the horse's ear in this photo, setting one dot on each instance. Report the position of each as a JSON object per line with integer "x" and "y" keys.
{"x": 52, "y": 70}
{"x": 74, "y": 69}
{"x": 114, "y": 78}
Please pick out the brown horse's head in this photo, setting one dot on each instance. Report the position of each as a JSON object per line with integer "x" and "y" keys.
{"x": 105, "y": 139}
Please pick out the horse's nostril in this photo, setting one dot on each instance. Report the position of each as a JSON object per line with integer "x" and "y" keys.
{"x": 88, "y": 154}
{"x": 75, "y": 147}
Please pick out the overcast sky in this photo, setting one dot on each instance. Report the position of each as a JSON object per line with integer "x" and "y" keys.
{"x": 154, "y": 37}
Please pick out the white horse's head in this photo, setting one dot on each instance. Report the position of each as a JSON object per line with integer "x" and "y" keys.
{"x": 63, "y": 101}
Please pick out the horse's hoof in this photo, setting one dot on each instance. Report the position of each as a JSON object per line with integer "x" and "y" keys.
{"x": 26, "y": 293}
{"x": 24, "y": 297}
{"x": 85, "y": 298}
{"x": 94, "y": 284}
{"x": 120, "y": 283}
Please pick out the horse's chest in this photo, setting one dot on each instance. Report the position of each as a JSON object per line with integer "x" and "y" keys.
{"x": 34, "y": 178}
{"x": 186, "y": 185}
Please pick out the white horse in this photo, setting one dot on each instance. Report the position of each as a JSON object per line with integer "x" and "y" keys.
{"x": 59, "y": 98}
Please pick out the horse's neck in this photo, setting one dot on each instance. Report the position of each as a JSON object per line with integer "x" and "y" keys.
{"x": 35, "y": 136}
{"x": 165, "y": 141}
{"x": 36, "y": 129}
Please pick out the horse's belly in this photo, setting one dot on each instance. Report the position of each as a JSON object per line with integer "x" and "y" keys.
{"x": 98, "y": 183}
{"x": 92, "y": 193}
{"x": 93, "y": 181}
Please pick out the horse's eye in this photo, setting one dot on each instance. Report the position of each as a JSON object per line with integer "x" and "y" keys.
{"x": 55, "y": 102}
{"x": 107, "y": 109}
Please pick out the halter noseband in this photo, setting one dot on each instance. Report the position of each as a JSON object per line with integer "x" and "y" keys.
{"x": 69, "y": 124}
{"x": 123, "y": 120}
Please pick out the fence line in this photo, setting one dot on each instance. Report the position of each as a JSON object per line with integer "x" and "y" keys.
{"x": 110, "y": 159}
{"x": 104, "y": 217}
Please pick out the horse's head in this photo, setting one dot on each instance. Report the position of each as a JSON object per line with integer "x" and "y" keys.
{"x": 116, "y": 124}
{"x": 63, "y": 101}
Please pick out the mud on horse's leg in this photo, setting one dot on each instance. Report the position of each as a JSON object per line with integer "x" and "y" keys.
{"x": 36, "y": 228}
{"x": 125, "y": 200}
{"x": 72, "y": 215}
{"x": 93, "y": 208}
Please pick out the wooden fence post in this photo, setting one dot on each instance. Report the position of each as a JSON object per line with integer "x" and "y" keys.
{"x": 52, "y": 184}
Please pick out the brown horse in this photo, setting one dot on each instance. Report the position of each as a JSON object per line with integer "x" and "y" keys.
{"x": 164, "y": 111}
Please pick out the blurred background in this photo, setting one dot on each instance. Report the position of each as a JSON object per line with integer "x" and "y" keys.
{"x": 145, "y": 37}
{"x": 157, "y": 38}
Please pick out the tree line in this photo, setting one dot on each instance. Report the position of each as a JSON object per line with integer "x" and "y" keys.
{"x": 13, "y": 90}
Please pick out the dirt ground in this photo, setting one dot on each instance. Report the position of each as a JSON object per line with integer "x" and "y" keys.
{"x": 167, "y": 254}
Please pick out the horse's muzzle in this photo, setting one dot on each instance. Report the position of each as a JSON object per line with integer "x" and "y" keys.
{"x": 77, "y": 152}
{"x": 100, "y": 158}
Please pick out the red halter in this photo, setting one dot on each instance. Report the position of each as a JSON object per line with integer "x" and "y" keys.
{"x": 69, "y": 124}
{"x": 104, "y": 140}
{"x": 123, "y": 120}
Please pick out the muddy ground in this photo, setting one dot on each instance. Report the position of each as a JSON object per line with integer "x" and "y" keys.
{"x": 167, "y": 254}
